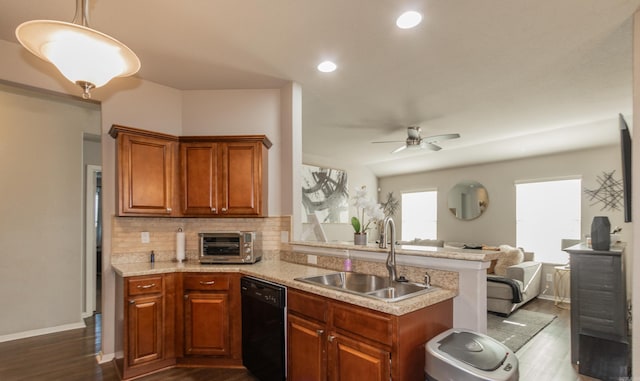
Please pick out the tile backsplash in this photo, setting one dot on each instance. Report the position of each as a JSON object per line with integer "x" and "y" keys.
{"x": 127, "y": 246}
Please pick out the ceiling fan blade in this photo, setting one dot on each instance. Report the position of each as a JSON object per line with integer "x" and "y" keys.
{"x": 390, "y": 141}
{"x": 439, "y": 138}
{"x": 401, "y": 148}
{"x": 430, "y": 146}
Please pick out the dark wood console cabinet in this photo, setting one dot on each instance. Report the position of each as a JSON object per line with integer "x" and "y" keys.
{"x": 600, "y": 341}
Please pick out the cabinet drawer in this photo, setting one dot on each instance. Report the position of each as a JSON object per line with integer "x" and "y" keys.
{"x": 363, "y": 323}
{"x": 206, "y": 282}
{"x": 307, "y": 305}
{"x": 144, "y": 285}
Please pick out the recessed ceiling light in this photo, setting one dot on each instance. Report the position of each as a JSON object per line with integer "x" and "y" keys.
{"x": 409, "y": 20}
{"x": 327, "y": 66}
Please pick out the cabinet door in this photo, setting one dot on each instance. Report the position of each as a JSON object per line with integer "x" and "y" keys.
{"x": 145, "y": 178}
{"x": 240, "y": 190}
{"x": 145, "y": 329}
{"x": 206, "y": 320}
{"x": 199, "y": 179}
{"x": 351, "y": 359}
{"x": 306, "y": 353}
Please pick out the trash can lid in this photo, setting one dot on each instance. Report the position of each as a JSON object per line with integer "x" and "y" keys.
{"x": 481, "y": 352}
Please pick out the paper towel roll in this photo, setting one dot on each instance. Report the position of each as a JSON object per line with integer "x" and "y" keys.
{"x": 180, "y": 242}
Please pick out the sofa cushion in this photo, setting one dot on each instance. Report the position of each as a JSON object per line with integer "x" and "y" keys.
{"x": 510, "y": 256}
{"x": 424, "y": 242}
{"x": 504, "y": 288}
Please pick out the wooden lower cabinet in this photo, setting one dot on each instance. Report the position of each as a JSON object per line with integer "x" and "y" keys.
{"x": 352, "y": 359}
{"x": 332, "y": 340}
{"x": 148, "y": 324}
{"x": 194, "y": 319}
{"x": 206, "y": 324}
{"x": 308, "y": 360}
{"x": 210, "y": 332}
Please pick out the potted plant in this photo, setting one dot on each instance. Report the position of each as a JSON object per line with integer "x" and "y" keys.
{"x": 364, "y": 207}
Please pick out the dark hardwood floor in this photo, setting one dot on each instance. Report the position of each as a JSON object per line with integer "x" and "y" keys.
{"x": 70, "y": 356}
{"x": 548, "y": 355}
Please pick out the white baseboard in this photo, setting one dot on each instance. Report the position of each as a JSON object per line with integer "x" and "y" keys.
{"x": 42, "y": 331}
{"x": 553, "y": 299}
{"x": 102, "y": 358}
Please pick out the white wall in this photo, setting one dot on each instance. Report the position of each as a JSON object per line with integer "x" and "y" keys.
{"x": 497, "y": 224}
{"x": 146, "y": 105}
{"x": 238, "y": 112}
{"x": 41, "y": 167}
{"x": 635, "y": 249}
{"x": 357, "y": 176}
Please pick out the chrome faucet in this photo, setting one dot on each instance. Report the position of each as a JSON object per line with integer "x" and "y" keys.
{"x": 391, "y": 258}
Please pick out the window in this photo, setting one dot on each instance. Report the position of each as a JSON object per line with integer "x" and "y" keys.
{"x": 547, "y": 212}
{"x": 419, "y": 215}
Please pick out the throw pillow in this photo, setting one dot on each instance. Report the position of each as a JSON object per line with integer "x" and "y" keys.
{"x": 510, "y": 256}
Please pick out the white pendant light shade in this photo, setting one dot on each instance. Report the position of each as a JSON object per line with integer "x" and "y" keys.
{"x": 83, "y": 55}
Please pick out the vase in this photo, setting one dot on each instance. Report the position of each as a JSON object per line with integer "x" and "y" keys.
{"x": 600, "y": 233}
{"x": 360, "y": 239}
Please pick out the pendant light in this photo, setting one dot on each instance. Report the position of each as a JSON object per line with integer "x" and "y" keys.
{"x": 83, "y": 55}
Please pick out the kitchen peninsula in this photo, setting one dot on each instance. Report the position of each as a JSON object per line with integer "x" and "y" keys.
{"x": 469, "y": 306}
{"x": 156, "y": 322}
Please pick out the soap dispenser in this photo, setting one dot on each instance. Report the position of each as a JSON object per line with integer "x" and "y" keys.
{"x": 347, "y": 262}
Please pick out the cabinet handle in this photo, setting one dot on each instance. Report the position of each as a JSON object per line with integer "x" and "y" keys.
{"x": 209, "y": 283}
{"x": 131, "y": 301}
{"x": 331, "y": 338}
{"x": 146, "y": 286}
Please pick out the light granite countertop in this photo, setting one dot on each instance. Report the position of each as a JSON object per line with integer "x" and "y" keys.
{"x": 284, "y": 273}
{"x": 413, "y": 250}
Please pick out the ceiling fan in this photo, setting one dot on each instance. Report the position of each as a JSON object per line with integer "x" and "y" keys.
{"x": 415, "y": 141}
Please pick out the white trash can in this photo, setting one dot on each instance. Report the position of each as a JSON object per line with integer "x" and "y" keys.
{"x": 465, "y": 355}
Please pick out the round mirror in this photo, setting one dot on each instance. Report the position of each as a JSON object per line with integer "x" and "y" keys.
{"x": 468, "y": 200}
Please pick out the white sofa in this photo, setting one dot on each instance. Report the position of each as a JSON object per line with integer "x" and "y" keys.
{"x": 515, "y": 284}
{"x": 520, "y": 284}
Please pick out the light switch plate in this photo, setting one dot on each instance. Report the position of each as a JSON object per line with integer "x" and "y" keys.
{"x": 549, "y": 278}
{"x": 144, "y": 237}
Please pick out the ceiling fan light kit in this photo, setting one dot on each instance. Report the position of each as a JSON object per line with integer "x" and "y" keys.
{"x": 85, "y": 56}
{"x": 415, "y": 142}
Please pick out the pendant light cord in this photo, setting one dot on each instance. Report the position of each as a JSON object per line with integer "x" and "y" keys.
{"x": 82, "y": 13}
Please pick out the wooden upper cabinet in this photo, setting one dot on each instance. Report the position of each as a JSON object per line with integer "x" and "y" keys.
{"x": 199, "y": 178}
{"x": 215, "y": 176}
{"x": 224, "y": 176}
{"x": 146, "y": 166}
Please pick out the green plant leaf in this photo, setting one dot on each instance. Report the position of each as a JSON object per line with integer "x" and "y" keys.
{"x": 355, "y": 222}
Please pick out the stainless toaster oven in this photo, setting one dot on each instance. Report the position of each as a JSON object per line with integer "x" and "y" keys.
{"x": 228, "y": 247}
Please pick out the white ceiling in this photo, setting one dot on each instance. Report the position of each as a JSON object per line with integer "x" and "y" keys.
{"x": 514, "y": 78}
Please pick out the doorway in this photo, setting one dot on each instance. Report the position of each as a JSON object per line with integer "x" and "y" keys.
{"x": 93, "y": 241}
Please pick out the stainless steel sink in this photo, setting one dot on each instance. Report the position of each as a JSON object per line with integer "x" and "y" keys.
{"x": 368, "y": 285}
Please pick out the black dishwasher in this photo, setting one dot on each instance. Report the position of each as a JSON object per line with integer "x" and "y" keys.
{"x": 263, "y": 328}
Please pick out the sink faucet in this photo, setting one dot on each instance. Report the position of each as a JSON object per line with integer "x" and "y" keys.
{"x": 391, "y": 258}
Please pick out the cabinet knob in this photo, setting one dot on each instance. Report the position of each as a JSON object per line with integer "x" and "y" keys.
{"x": 131, "y": 301}
{"x": 213, "y": 210}
{"x": 169, "y": 210}
{"x": 224, "y": 210}
{"x": 186, "y": 296}
{"x": 320, "y": 332}
{"x": 331, "y": 338}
